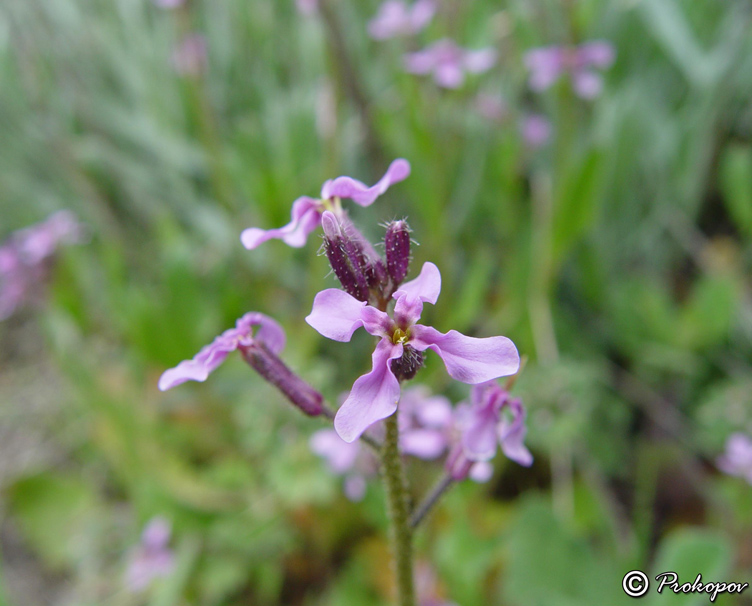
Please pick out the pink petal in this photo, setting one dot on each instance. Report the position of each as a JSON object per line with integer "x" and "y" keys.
{"x": 587, "y": 84}
{"x": 355, "y": 488}
{"x": 545, "y": 65}
{"x": 374, "y": 396}
{"x": 423, "y": 443}
{"x": 421, "y": 14}
{"x": 377, "y": 322}
{"x": 479, "y": 438}
{"x": 345, "y": 187}
{"x": 200, "y": 367}
{"x": 391, "y": 20}
{"x": 407, "y": 311}
{"x": 335, "y": 314}
{"x": 269, "y": 332}
{"x": 468, "y": 359}
{"x": 481, "y": 472}
{"x": 480, "y": 61}
{"x": 427, "y": 285}
{"x": 449, "y": 75}
{"x": 340, "y": 455}
{"x": 421, "y": 62}
{"x": 156, "y": 535}
{"x": 305, "y": 218}
{"x": 598, "y": 53}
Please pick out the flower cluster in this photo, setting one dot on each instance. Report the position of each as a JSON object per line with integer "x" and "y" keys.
{"x": 548, "y": 64}
{"x": 395, "y": 18}
{"x": 152, "y": 558}
{"x": 25, "y": 258}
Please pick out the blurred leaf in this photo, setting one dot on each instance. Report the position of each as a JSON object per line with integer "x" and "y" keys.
{"x": 736, "y": 184}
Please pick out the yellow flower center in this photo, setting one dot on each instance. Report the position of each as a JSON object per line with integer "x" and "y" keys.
{"x": 399, "y": 337}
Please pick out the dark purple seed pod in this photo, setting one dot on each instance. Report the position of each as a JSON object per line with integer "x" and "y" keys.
{"x": 406, "y": 366}
{"x": 274, "y": 370}
{"x": 397, "y": 246}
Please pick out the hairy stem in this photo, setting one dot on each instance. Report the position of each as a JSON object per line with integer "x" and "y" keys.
{"x": 399, "y": 513}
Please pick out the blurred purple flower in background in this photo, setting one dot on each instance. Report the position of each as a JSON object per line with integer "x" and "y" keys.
{"x": 449, "y": 62}
{"x": 25, "y": 255}
{"x": 348, "y": 459}
{"x": 396, "y": 19}
{"x": 535, "y": 129}
{"x": 211, "y": 356}
{"x": 306, "y": 212}
{"x": 152, "y": 558}
{"x": 169, "y": 3}
{"x": 190, "y": 56}
{"x": 425, "y": 422}
{"x": 374, "y": 396}
{"x": 491, "y": 107}
{"x": 737, "y": 459}
{"x": 307, "y": 7}
{"x": 547, "y": 64}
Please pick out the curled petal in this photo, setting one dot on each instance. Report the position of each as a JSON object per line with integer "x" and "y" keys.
{"x": 469, "y": 359}
{"x": 335, "y": 314}
{"x": 346, "y": 187}
{"x": 376, "y": 322}
{"x": 269, "y": 332}
{"x": 479, "y": 438}
{"x": 199, "y": 368}
{"x": 426, "y": 286}
{"x": 512, "y": 435}
{"x": 374, "y": 396}
{"x": 305, "y": 218}
{"x": 407, "y": 311}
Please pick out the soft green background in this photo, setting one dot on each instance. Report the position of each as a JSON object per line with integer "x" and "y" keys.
{"x": 617, "y": 258}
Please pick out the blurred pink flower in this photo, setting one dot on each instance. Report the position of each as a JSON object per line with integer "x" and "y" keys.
{"x": 425, "y": 422}
{"x": 190, "y": 56}
{"x": 307, "y": 7}
{"x": 547, "y": 64}
{"x": 491, "y": 107}
{"x": 535, "y": 129}
{"x": 348, "y": 459}
{"x": 449, "y": 62}
{"x": 169, "y": 3}
{"x": 152, "y": 558}
{"x": 24, "y": 258}
{"x": 396, "y": 19}
{"x": 737, "y": 459}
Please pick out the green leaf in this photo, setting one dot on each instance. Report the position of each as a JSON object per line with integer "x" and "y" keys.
{"x": 736, "y": 184}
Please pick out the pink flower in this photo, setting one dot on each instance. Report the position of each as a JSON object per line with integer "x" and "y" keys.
{"x": 737, "y": 459}
{"x": 152, "y": 559}
{"x": 396, "y": 19}
{"x": 211, "y": 356}
{"x": 493, "y": 418}
{"x": 348, "y": 459}
{"x": 536, "y": 130}
{"x": 306, "y": 212}
{"x": 448, "y": 62}
{"x": 190, "y": 58}
{"x": 425, "y": 422}
{"x": 307, "y": 7}
{"x": 547, "y": 64}
{"x": 374, "y": 396}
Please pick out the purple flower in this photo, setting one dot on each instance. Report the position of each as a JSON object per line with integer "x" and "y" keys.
{"x": 306, "y": 212}
{"x": 425, "y": 423}
{"x": 374, "y": 396}
{"x": 189, "y": 57}
{"x": 152, "y": 559}
{"x": 737, "y": 459}
{"x": 493, "y": 418}
{"x": 535, "y": 129}
{"x": 348, "y": 459}
{"x": 211, "y": 356}
{"x": 448, "y": 62}
{"x": 24, "y": 258}
{"x": 547, "y": 64}
{"x": 307, "y": 7}
{"x": 396, "y": 19}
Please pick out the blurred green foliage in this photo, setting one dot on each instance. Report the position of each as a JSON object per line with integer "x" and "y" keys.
{"x": 617, "y": 257}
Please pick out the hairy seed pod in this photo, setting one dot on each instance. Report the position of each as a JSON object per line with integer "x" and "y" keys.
{"x": 397, "y": 246}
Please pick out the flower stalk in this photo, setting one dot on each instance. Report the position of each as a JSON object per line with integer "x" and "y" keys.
{"x": 395, "y": 483}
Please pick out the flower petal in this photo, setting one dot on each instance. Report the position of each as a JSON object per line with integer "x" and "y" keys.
{"x": 481, "y": 472}
{"x": 355, "y": 487}
{"x": 468, "y": 359}
{"x": 377, "y": 322}
{"x": 545, "y": 65}
{"x": 480, "y": 60}
{"x": 598, "y": 53}
{"x": 512, "y": 435}
{"x": 407, "y": 311}
{"x": 374, "y": 396}
{"x": 479, "y": 438}
{"x": 346, "y": 187}
{"x": 587, "y": 84}
{"x": 304, "y": 219}
{"x": 335, "y": 314}
{"x": 423, "y": 443}
{"x": 339, "y": 454}
{"x": 270, "y": 333}
{"x": 199, "y": 368}
{"x": 427, "y": 285}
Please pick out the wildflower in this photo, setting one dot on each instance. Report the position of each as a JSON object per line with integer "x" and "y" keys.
{"x": 190, "y": 58}
{"x": 152, "y": 559}
{"x": 449, "y": 62}
{"x": 348, "y": 459}
{"x": 398, "y": 355}
{"x": 396, "y": 19}
{"x": 260, "y": 351}
{"x": 737, "y": 459}
{"x": 491, "y": 418}
{"x": 24, "y": 258}
{"x": 535, "y": 129}
{"x": 547, "y": 64}
{"x": 306, "y": 212}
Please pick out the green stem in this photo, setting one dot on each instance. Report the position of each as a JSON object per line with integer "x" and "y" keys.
{"x": 399, "y": 513}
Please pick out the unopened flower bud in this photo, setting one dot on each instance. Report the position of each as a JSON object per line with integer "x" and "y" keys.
{"x": 405, "y": 367}
{"x": 397, "y": 245}
{"x": 343, "y": 258}
{"x": 274, "y": 370}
